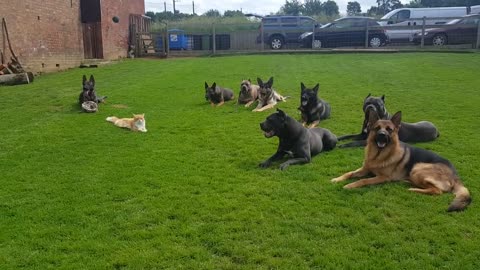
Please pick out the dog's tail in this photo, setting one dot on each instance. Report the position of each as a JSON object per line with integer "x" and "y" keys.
{"x": 462, "y": 197}
{"x": 112, "y": 119}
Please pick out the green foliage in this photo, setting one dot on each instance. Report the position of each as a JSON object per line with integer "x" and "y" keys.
{"x": 313, "y": 7}
{"x": 212, "y": 13}
{"x": 79, "y": 193}
{"x": 233, "y": 13}
{"x": 354, "y": 8}
{"x": 330, "y": 8}
{"x": 293, "y": 7}
{"x": 385, "y": 6}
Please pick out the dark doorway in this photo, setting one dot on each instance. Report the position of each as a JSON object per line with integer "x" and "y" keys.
{"x": 91, "y": 17}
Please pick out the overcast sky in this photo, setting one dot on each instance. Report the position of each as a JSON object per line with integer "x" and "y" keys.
{"x": 261, "y": 7}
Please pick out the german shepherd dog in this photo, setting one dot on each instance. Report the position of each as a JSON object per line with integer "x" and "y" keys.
{"x": 296, "y": 141}
{"x": 248, "y": 93}
{"x": 422, "y": 131}
{"x": 217, "y": 95}
{"x": 389, "y": 159}
{"x": 88, "y": 92}
{"x": 313, "y": 109}
{"x": 267, "y": 96}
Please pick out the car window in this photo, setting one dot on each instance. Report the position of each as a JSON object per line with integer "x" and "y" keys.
{"x": 403, "y": 15}
{"x": 306, "y": 21}
{"x": 342, "y": 24}
{"x": 470, "y": 21}
{"x": 289, "y": 20}
{"x": 269, "y": 20}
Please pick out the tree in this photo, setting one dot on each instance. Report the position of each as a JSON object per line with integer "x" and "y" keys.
{"x": 353, "y": 8}
{"x": 312, "y": 7}
{"x": 291, "y": 8}
{"x": 212, "y": 13}
{"x": 373, "y": 11}
{"x": 232, "y": 13}
{"x": 330, "y": 8}
{"x": 385, "y": 6}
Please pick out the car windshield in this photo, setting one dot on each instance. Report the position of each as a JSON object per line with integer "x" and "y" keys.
{"x": 454, "y": 21}
{"x": 326, "y": 25}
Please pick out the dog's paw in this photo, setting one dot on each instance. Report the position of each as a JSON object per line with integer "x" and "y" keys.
{"x": 336, "y": 180}
{"x": 349, "y": 186}
{"x": 265, "y": 164}
{"x": 283, "y": 166}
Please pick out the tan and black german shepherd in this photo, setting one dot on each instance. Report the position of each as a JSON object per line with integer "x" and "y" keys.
{"x": 389, "y": 159}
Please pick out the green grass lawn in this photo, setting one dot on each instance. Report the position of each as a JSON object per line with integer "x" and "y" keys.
{"x": 79, "y": 193}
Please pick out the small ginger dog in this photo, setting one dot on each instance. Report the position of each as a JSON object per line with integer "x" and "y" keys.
{"x": 137, "y": 123}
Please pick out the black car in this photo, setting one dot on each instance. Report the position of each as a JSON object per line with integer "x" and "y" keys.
{"x": 280, "y": 30}
{"x": 458, "y": 31}
{"x": 348, "y": 31}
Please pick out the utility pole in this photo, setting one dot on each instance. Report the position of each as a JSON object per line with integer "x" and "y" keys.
{"x": 174, "y": 7}
{"x": 165, "y": 7}
{"x": 193, "y": 6}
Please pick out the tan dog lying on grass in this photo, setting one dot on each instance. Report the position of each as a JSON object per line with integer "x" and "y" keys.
{"x": 389, "y": 159}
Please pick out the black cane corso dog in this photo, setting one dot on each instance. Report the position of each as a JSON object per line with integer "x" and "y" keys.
{"x": 297, "y": 141}
{"x": 422, "y": 131}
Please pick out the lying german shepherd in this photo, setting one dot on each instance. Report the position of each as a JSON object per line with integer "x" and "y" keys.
{"x": 88, "y": 91}
{"x": 267, "y": 96}
{"x": 391, "y": 160}
{"x": 217, "y": 95}
{"x": 422, "y": 131}
{"x": 313, "y": 109}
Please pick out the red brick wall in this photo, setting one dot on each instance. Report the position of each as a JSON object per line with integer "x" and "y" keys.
{"x": 47, "y": 35}
{"x": 115, "y": 35}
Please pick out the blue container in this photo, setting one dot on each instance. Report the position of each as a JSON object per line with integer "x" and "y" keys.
{"x": 177, "y": 39}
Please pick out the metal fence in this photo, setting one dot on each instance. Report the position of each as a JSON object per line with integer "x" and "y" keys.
{"x": 458, "y": 33}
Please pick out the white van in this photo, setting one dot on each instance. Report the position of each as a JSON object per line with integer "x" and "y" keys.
{"x": 413, "y": 17}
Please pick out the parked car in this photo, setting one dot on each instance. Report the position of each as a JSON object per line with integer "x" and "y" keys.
{"x": 348, "y": 31}
{"x": 402, "y": 23}
{"x": 458, "y": 31}
{"x": 280, "y": 30}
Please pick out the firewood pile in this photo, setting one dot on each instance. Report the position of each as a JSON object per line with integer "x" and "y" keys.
{"x": 12, "y": 72}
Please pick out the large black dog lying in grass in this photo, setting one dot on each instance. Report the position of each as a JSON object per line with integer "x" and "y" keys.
{"x": 297, "y": 141}
{"x": 422, "y": 131}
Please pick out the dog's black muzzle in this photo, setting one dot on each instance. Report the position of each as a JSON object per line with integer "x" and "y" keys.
{"x": 267, "y": 130}
{"x": 382, "y": 139}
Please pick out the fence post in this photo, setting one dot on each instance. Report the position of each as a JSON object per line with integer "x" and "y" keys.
{"x": 477, "y": 46}
{"x": 422, "y": 41}
{"x": 366, "y": 34}
{"x": 167, "y": 39}
{"x": 313, "y": 36}
{"x": 262, "y": 36}
{"x": 214, "y": 45}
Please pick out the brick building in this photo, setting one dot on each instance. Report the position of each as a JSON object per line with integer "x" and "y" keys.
{"x": 49, "y": 35}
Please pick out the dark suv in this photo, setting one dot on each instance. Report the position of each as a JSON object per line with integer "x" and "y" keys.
{"x": 348, "y": 31}
{"x": 280, "y": 30}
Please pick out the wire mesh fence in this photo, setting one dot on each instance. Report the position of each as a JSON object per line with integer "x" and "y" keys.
{"x": 452, "y": 33}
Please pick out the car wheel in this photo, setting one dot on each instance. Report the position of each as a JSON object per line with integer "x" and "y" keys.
{"x": 317, "y": 44}
{"x": 375, "y": 42}
{"x": 276, "y": 43}
{"x": 439, "y": 40}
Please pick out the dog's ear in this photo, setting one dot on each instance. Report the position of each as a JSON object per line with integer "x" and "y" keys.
{"x": 315, "y": 89}
{"x": 302, "y": 86}
{"x": 270, "y": 82}
{"x": 397, "y": 119}
{"x": 281, "y": 113}
{"x": 84, "y": 79}
{"x": 260, "y": 82}
{"x": 92, "y": 79}
{"x": 214, "y": 86}
{"x": 369, "y": 94}
{"x": 206, "y": 85}
{"x": 372, "y": 118}
{"x": 383, "y": 98}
